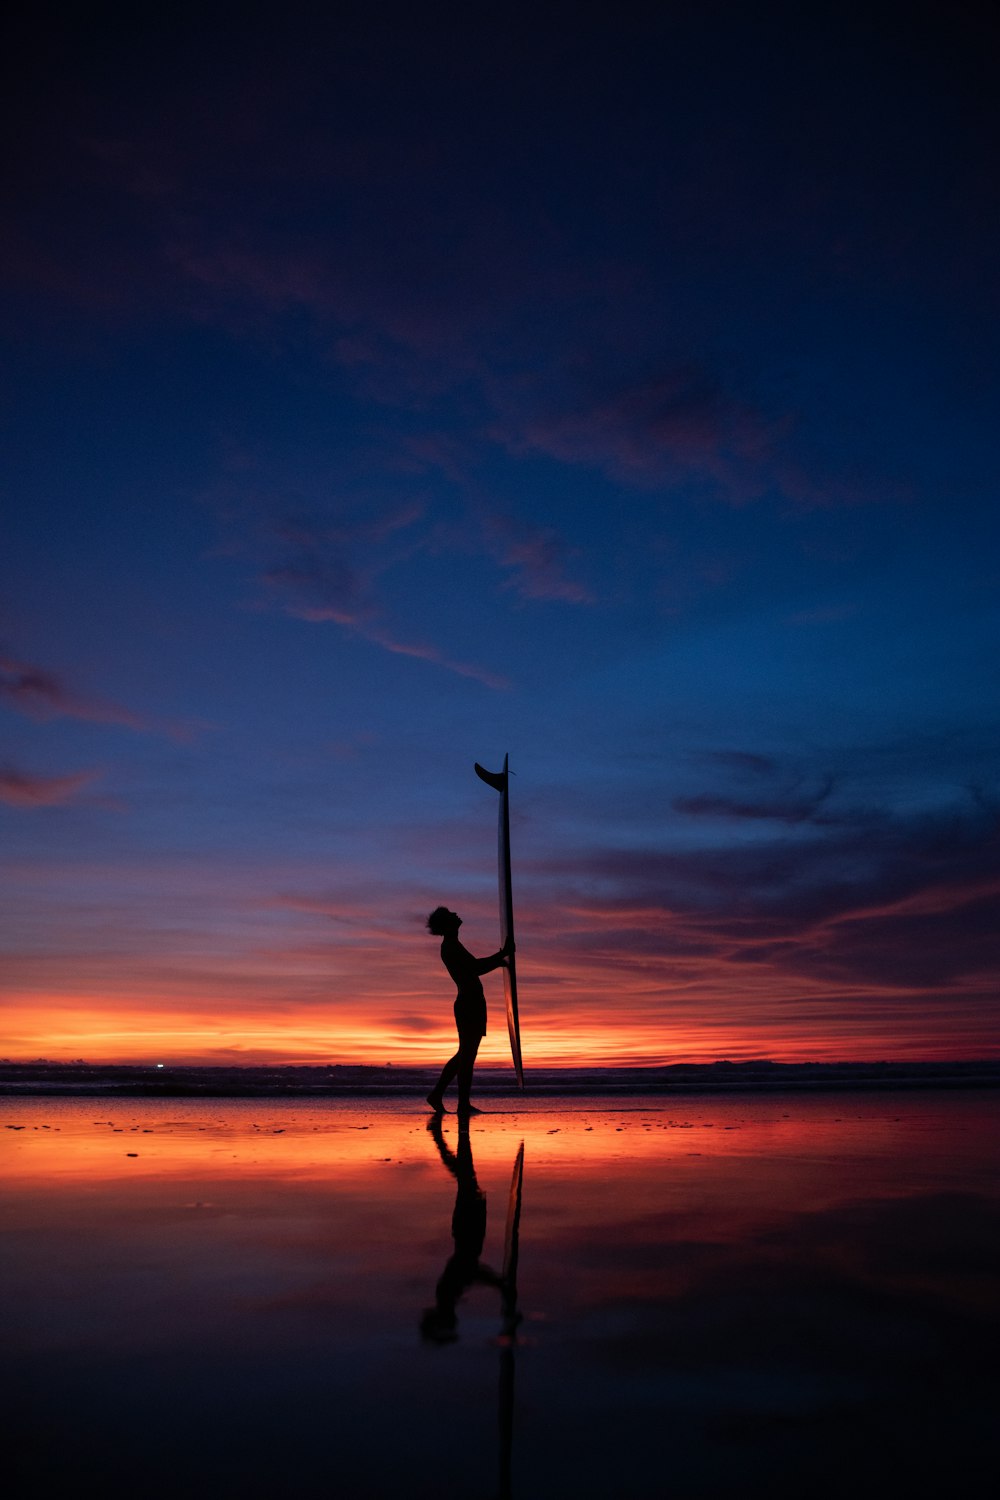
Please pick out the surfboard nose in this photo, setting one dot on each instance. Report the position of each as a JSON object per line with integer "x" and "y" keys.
{"x": 496, "y": 779}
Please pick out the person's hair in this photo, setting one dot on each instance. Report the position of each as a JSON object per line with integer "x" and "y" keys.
{"x": 439, "y": 921}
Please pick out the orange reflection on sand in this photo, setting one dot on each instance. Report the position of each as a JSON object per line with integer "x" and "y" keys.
{"x": 577, "y": 1139}
{"x": 168, "y": 1260}
{"x": 99, "y": 1139}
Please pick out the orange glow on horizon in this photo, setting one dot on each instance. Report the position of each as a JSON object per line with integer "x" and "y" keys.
{"x": 563, "y": 1035}
{"x": 319, "y": 982}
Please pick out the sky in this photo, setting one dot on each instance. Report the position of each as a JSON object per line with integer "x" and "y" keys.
{"x": 394, "y": 387}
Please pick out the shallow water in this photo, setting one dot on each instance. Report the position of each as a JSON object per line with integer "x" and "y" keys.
{"x": 784, "y": 1295}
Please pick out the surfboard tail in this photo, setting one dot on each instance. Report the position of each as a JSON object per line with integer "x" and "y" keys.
{"x": 513, "y": 1021}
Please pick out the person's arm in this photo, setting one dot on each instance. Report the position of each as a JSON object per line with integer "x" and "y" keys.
{"x": 495, "y": 960}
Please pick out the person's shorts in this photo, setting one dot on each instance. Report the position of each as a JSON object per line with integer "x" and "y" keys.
{"x": 470, "y": 1015}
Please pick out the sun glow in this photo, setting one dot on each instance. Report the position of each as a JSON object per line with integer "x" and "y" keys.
{"x": 566, "y": 1031}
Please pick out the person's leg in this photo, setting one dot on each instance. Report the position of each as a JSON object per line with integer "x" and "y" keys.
{"x": 467, "y": 1050}
{"x": 436, "y": 1096}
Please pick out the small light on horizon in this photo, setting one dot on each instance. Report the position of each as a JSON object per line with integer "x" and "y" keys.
{"x": 159, "y": 1065}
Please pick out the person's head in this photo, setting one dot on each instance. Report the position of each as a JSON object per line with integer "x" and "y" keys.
{"x": 439, "y": 1325}
{"x": 443, "y": 922}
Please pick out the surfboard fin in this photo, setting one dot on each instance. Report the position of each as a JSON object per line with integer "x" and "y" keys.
{"x": 496, "y": 779}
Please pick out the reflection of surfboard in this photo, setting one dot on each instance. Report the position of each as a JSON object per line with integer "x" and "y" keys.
{"x": 510, "y": 1238}
{"x": 508, "y": 1329}
{"x": 498, "y": 780}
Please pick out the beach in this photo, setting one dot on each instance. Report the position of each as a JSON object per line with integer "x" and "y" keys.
{"x": 776, "y": 1294}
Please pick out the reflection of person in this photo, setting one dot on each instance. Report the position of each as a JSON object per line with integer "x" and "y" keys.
{"x": 468, "y": 1227}
{"x": 470, "y": 1005}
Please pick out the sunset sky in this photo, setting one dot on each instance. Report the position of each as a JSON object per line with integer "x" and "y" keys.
{"x": 394, "y": 387}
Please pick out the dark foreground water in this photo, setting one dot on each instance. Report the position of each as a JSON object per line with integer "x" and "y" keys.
{"x": 781, "y": 1296}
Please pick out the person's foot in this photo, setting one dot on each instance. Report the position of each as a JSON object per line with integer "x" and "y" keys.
{"x": 436, "y": 1103}
{"x": 468, "y": 1109}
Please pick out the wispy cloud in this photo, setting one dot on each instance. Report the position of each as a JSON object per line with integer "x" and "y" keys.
{"x": 682, "y": 425}
{"x": 875, "y": 904}
{"x": 20, "y": 789}
{"x": 330, "y": 575}
{"x": 535, "y": 559}
{"x": 674, "y": 426}
{"x": 43, "y": 695}
{"x": 40, "y": 694}
{"x": 790, "y": 809}
{"x": 428, "y": 653}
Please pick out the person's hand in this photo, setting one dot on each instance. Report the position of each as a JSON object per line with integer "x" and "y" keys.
{"x": 508, "y": 948}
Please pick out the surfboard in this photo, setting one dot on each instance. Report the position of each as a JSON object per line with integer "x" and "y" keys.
{"x": 499, "y": 781}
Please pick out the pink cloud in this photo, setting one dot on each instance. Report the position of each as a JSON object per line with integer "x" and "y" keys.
{"x": 437, "y": 658}
{"x": 332, "y": 578}
{"x": 19, "y": 789}
{"x": 664, "y": 430}
{"x": 674, "y": 428}
{"x": 535, "y": 558}
{"x": 418, "y": 650}
{"x": 41, "y": 695}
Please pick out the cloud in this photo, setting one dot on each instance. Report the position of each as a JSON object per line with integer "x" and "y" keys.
{"x": 928, "y": 939}
{"x": 670, "y": 428}
{"x": 681, "y": 426}
{"x": 19, "y": 789}
{"x": 428, "y": 653}
{"x": 778, "y": 809}
{"x": 830, "y": 867}
{"x": 898, "y": 906}
{"x": 332, "y": 576}
{"x": 41, "y": 695}
{"x": 535, "y": 558}
{"x": 361, "y": 625}
{"x": 413, "y": 1023}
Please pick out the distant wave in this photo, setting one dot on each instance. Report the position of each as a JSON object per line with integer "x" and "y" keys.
{"x": 761, "y": 1075}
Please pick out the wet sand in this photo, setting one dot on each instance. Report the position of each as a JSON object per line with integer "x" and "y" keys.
{"x": 774, "y": 1295}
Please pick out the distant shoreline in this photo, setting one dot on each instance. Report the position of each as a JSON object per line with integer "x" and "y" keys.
{"x": 347, "y": 1080}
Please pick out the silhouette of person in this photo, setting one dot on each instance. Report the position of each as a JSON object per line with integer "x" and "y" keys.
{"x": 468, "y": 1227}
{"x": 470, "y": 1006}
